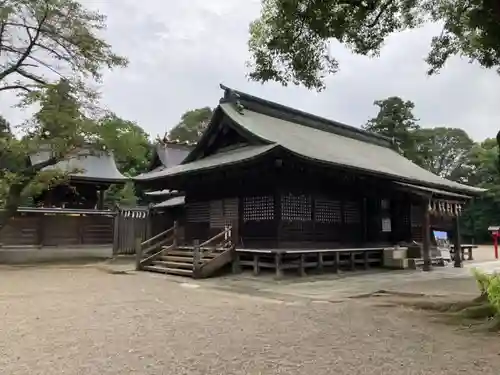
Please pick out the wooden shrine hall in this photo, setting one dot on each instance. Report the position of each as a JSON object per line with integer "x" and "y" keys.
{"x": 299, "y": 190}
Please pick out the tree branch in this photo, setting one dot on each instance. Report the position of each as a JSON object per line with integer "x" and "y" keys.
{"x": 33, "y": 39}
{"x": 15, "y": 87}
{"x": 382, "y": 10}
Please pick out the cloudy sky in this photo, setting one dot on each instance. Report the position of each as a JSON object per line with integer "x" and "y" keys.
{"x": 180, "y": 51}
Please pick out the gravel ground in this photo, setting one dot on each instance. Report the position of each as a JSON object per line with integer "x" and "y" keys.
{"x": 87, "y": 321}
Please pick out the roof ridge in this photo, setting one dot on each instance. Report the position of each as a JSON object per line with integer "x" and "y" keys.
{"x": 277, "y": 110}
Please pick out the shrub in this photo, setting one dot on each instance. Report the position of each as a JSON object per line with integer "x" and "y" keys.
{"x": 483, "y": 280}
{"x": 493, "y": 292}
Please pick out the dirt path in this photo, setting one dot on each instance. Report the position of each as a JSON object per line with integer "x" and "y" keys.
{"x": 85, "y": 321}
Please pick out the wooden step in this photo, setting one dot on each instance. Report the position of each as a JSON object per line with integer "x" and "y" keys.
{"x": 178, "y": 253}
{"x": 174, "y": 258}
{"x": 172, "y": 271}
{"x": 170, "y": 264}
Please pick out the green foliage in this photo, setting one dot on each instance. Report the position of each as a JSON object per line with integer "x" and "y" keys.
{"x": 59, "y": 128}
{"x": 123, "y": 195}
{"x": 482, "y": 280}
{"x": 291, "y": 39}
{"x": 395, "y": 120}
{"x": 192, "y": 125}
{"x": 445, "y": 152}
{"x": 493, "y": 292}
{"x": 130, "y": 144}
{"x": 50, "y": 50}
{"x": 5, "y": 129}
{"x": 43, "y": 39}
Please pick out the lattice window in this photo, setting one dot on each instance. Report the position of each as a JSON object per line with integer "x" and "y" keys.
{"x": 197, "y": 212}
{"x": 258, "y": 208}
{"x": 416, "y": 216}
{"x": 296, "y": 207}
{"x": 327, "y": 211}
{"x": 352, "y": 212}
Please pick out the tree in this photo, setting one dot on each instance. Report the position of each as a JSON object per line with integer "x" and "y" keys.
{"x": 131, "y": 144}
{"x": 290, "y": 40}
{"x": 60, "y": 127}
{"x": 395, "y": 120}
{"x": 5, "y": 129}
{"x": 485, "y": 210}
{"x": 445, "y": 152}
{"x": 192, "y": 125}
{"x": 44, "y": 40}
{"x": 132, "y": 151}
{"x": 125, "y": 195}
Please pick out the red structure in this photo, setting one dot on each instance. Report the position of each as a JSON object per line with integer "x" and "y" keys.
{"x": 495, "y": 234}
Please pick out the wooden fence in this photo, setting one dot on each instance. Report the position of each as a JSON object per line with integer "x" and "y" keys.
{"x": 58, "y": 227}
{"x": 130, "y": 223}
{"x": 119, "y": 229}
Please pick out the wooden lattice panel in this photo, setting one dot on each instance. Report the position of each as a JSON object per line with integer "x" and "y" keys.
{"x": 328, "y": 211}
{"x": 258, "y": 208}
{"x": 296, "y": 208}
{"x": 223, "y": 212}
{"x": 217, "y": 214}
{"x": 416, "y": 216}
{"x": 352, "y": 212}
{"x": 231, "y": 210}
{"x": 197, "y": 212}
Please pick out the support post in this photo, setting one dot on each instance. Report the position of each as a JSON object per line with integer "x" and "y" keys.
{"x": 116, "y": 232}
{"x": 236, "y": 266}
{"x": 278, "y": 265}
{"x": 495, "y": 243}
{"x": 426, "y": 235}
{"x": 256, "y": 265}
{"x": 302, "y": 270}
{"x": 196, "y": 258}
{"x": 457, "y": 243}
{"x": 138, "y": 253}
{"x": 175, "y": 241}
{"x": 337, "y": 262}
{"x": 100, "y": 204}
{"x": 320, "y": 262}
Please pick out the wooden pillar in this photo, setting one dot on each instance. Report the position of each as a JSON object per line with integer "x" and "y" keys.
{"x": 116, "y": 232}
{"x": 100, "y": 202}
{"x": 426, "y": 235}
{"x": 457, "y": 243}
{"x": 302, "y": 270}
{"x": 175, "y": 241}
{"x": 196, "y": 259}
{"x": 320, "y": 262}
{"x": 278, "y": 265}
{"x": 138, "y": 253}
{"x": 256, "y": 264}
{"x": 337, "y": 262}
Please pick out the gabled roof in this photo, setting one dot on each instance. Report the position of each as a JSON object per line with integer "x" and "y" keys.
{"x": 310, "y": 137}
{"x": 92, "y": 166}
{"x": 169, "y": 154}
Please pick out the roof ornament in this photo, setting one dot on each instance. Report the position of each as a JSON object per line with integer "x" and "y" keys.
{"x": 233, "y": 98}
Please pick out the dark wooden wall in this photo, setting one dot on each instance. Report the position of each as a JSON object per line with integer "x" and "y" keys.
{"x": 34, "y": 229}
{"x": 284, "y": 202}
